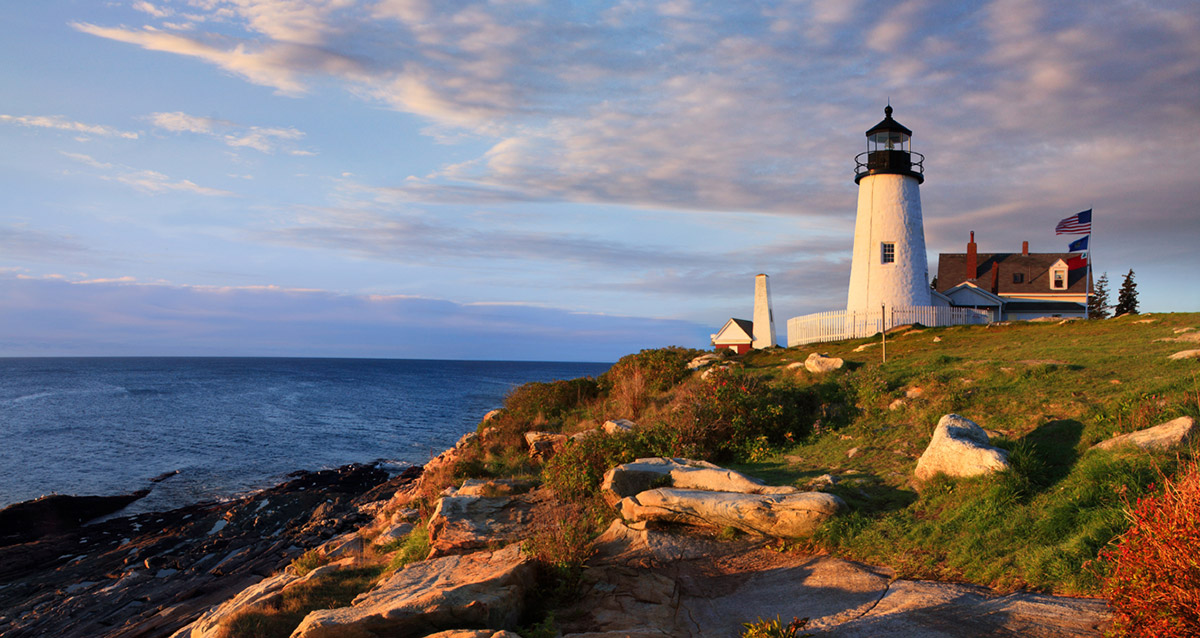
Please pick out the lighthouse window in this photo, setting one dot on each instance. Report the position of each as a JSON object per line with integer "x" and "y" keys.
{"x": 888, "y": 252}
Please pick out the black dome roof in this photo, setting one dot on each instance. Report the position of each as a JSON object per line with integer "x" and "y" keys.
{"x": 888, "y": 124}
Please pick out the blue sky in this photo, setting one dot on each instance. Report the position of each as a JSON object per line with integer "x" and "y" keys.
{"x": 543, "y": 180}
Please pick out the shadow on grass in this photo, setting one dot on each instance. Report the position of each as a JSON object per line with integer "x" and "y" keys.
{"x": 864, "y": 492}
{"x": 1053, "y": 445}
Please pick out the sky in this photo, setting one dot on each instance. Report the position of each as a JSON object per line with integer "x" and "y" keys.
{"x": 519, "y": 179}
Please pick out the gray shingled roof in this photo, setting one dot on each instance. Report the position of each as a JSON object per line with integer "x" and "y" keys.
{"x": 952, "y": 271}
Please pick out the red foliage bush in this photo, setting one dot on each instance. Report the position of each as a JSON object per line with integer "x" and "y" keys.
{"x": 1154, "y": 584}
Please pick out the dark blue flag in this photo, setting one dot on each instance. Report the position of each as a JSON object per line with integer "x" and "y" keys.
{"x": 1079, "y": 244}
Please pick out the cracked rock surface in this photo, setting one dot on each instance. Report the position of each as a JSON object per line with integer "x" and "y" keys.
{"x": 647, "y": 583}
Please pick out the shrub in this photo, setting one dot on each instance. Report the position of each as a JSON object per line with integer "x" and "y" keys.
{"x": 551, "y": 401}
{"x": 1154, "y": 585}
{"x": 309, "y": 561}
{"x": 563, "y": 536}
{"x": 732, "y": 415}
{"x": 660, "y": 369}
{"x": 575, "y": 472}
{"x": 775, "y": 628}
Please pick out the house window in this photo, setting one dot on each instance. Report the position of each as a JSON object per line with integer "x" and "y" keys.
{"x": 887, "y": 253}
{"x": 1018, "y": 278}
{"x": 1059, "y": 280}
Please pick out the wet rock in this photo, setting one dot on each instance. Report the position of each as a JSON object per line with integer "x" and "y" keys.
{"x": 199, "y": 557}
{"x": 57, "y": 514}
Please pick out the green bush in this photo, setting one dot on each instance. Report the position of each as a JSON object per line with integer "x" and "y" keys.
{"x": 775, "y": 628}
{"x": 661, "y": 368}
{"x": 551, "y": 401}
{"x": 574, "y": 473}
{"x": 736, "y": 416}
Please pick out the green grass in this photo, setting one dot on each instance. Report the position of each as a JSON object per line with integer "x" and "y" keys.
{"x": 1045, "y": 391}
{"x": 411, "y": 549}
{"x": 1050, "y": 392}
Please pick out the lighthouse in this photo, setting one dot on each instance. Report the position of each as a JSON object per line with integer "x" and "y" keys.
{"x": 889, "y": 266}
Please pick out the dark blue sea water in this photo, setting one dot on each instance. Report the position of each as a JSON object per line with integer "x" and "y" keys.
{"x": 233, "y": 425}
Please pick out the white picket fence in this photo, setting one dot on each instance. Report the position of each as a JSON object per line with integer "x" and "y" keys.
{"x": 836, "y": 325}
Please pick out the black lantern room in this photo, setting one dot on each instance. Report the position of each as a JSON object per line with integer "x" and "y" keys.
{"x": 889, "y": 152}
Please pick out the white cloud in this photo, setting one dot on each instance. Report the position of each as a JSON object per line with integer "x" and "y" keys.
{"x": 262, "y": 139}
{"x": 146, "y": 7}
{"x": 148, "y": 181}
{"x": 155, "y": 182}
{"x": 739, "y": 107}
{"x": 61, "y": 123}
{"x": 182, "y": 122}
{"x": 279, "y": 65}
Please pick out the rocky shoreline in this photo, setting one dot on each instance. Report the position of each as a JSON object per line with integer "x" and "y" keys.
{"x": 152, "y": 574}
{"x": 659, "y": 569}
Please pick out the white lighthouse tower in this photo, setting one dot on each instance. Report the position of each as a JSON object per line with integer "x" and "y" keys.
{"x": 889, "y": 265}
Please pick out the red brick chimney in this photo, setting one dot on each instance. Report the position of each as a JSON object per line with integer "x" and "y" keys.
{"x": 1024, "y": 249}
{"x": 972, "y": 259}
{"x": 995, "y": 278}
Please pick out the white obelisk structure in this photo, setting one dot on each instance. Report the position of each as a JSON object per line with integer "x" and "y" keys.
{"x": 889, "y": 267}
{"x": 764, "y": 319}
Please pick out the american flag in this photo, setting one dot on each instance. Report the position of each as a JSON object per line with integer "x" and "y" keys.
{"x": 1077, "y": 224}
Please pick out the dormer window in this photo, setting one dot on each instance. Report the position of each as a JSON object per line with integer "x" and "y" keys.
{"x": 1058, "y": 275}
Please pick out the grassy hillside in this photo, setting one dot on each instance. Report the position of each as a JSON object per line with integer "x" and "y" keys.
{"x": 1045, "y": 391}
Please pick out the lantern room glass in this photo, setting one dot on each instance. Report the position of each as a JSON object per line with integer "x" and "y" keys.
{"x": 888, "y": 141}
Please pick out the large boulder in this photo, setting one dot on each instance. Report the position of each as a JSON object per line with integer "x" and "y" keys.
{"x": 779, "y": 515}
{"x": 643, "y": 474}
{"x": 703, "y": 360}
{"x": 960, "y": 448}
{"x": 484, "y": 589}
{"x": 618, "y": 426}
{"x": 543, "y": 445}
{"x": 1168, "y": 435}
{"x": 466, "y": 522}
{"x": 819, "y": 363}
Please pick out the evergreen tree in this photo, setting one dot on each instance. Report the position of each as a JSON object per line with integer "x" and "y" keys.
{"x": 1127, "y": 296}
{"x": 1098, "y": 303}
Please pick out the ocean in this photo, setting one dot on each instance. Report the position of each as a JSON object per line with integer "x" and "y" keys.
{"x": 228, "y": 426}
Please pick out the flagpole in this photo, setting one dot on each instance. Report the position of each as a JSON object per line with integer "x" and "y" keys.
{"x": 1087, "y": 299}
